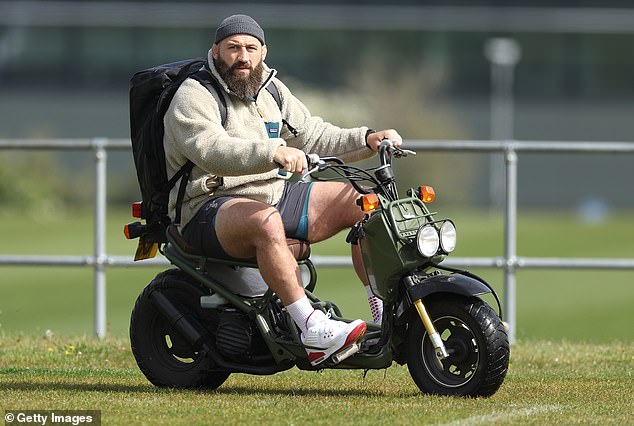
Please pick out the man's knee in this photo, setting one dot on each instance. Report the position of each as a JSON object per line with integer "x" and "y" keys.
{"x": 243, "y": 223}
{"x": 269, "y": 226}
{"x": 332, "y": 208}
{"x": 346, "y": 207}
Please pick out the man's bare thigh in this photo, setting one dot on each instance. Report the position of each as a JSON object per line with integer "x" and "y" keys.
{"x": 242, "y": 223}
{"x": 331, "y": 208}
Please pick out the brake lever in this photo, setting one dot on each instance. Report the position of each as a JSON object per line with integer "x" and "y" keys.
{"x": 306, "y": 175}
{"x": 399, "y": 152}
{"x": 312, "y": 159}
{"x": 396, "y": 150}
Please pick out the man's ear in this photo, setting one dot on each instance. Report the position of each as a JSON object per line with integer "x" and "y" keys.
{"x": 215, "y": 51}
{"x": 264, "y": 50}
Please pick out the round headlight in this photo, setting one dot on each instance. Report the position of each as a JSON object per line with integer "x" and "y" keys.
{"x": 427, "y": 240}
{"x": 448, "y": 237}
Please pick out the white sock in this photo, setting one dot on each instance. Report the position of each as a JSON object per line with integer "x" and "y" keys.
{"x": 302, "y": 311}
{"x": 376, "y": 305}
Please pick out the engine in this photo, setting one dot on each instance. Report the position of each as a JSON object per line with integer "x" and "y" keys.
{"x": 234, "y": 335}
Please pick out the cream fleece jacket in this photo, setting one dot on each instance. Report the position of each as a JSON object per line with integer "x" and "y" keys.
{"x": 237, "y": 159}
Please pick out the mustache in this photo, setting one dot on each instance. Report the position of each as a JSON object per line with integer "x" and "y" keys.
{"x": 242, "y": 64}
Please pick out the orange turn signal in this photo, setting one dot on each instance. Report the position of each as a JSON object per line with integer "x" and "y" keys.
{"x": 133, "y": 230}
{"x": 368, "y": 202}
{"x": 426, "y": 193}
{"x": 126, "y": 232}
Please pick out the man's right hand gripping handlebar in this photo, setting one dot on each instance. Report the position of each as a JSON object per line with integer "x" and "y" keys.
{"x": 290, "y": 159}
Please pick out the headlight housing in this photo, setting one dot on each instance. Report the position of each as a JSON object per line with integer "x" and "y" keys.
{"x": 448, "y": 237}
{"x": 427, "y": 240}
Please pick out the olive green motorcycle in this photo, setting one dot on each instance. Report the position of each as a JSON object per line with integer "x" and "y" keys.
{"x": 194, "y": 325}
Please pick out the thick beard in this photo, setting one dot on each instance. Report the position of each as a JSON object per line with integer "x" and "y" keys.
{"x": 245, "y": 87}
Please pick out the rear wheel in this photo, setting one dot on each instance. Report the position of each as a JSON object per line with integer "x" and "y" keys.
{"x": 476, "y": 341}
{"x": 165, "y": 357}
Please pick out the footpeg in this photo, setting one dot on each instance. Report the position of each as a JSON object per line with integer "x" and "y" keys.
{"x": 346, "y": 353}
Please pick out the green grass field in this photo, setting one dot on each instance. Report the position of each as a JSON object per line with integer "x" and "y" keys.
{"x": 573, "y": 362}
{"x": 593, "y": 306}
{"x": 565, "y": 383}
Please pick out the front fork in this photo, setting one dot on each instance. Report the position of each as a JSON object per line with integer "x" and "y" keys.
{"x": 439, "y": 346}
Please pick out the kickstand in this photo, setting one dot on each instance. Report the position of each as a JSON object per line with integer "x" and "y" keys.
{"x": 365, "y": 373}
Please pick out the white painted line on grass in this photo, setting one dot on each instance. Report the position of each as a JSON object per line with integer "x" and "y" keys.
{"x": 505, "y": 415}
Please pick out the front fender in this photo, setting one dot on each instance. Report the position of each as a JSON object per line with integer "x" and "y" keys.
{"x": 419, "y": 286}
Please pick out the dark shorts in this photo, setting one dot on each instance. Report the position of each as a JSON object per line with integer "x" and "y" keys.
{"x": 200, "y": 232}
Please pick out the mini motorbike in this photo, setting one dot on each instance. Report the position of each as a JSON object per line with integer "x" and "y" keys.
{"x": 194, "y": 325}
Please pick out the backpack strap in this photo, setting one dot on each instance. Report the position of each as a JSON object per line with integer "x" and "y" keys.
{"x": 211, "y": 84}
{"x": 272, "y": 89}
{"x": 183, "y": 174}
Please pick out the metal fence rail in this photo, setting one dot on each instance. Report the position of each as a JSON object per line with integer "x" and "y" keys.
{"x": 509, "y": 262}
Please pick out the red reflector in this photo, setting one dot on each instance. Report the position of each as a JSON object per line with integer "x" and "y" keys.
{"x": 126, "y": 232}
{"x": 136, "y": 209}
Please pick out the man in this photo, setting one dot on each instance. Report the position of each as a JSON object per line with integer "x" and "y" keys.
{"x": 236, "y": 205}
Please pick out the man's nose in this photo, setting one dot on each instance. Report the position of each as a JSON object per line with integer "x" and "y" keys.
{"x": 243, "y": 54}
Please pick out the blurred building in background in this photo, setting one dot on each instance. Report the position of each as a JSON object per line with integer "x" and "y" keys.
{"x": 65, "y": 67}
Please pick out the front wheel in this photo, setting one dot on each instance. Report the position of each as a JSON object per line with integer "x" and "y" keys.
{"x": 476, "y": 341}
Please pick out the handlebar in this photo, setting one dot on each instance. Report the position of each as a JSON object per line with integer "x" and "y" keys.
{"x": 386, "y": 150}
{"x": 381, "y": 176}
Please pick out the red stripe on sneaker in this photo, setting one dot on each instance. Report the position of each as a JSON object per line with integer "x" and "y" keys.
{"x": 314, "y": 357}
{"x": 355, "y": 334}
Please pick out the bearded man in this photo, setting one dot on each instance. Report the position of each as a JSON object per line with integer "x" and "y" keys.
{"x": 236, "y": 205}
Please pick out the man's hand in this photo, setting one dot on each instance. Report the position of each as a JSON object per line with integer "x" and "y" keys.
{"x": 290, "y": 159}
{"x": 374, "y": 139}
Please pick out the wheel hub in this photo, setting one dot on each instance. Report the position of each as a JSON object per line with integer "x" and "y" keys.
{"x": 457, "y": 369}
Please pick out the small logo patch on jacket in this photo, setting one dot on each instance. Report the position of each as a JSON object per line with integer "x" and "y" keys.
{"x": 273, "y": 129}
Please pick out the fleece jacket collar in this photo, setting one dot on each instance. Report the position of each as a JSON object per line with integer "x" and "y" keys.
{"x": 267, "y": 73}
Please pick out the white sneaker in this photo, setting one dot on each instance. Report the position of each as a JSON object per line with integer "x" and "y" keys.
{"x": 329, "y": 336}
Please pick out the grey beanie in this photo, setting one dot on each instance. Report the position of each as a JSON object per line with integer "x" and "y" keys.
{"x": 239, "y": 24}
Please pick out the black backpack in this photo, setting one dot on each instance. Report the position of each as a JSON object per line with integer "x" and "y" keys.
{"x": 151, "y": 92}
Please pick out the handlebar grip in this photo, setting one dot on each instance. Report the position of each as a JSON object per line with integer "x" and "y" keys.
{"x": 313, "y": 160}
{"x": 387, "y": 142}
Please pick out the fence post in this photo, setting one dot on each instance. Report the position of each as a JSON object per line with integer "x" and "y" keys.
{"x": 503, "y": 54}
{"x": 100, "y": 256}
{"x": 510, "y": 242}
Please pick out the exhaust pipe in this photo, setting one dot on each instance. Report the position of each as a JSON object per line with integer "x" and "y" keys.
{"x": 193, "y": 332}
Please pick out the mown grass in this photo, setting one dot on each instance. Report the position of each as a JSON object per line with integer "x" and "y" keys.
{"x": 547, "y": 383}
